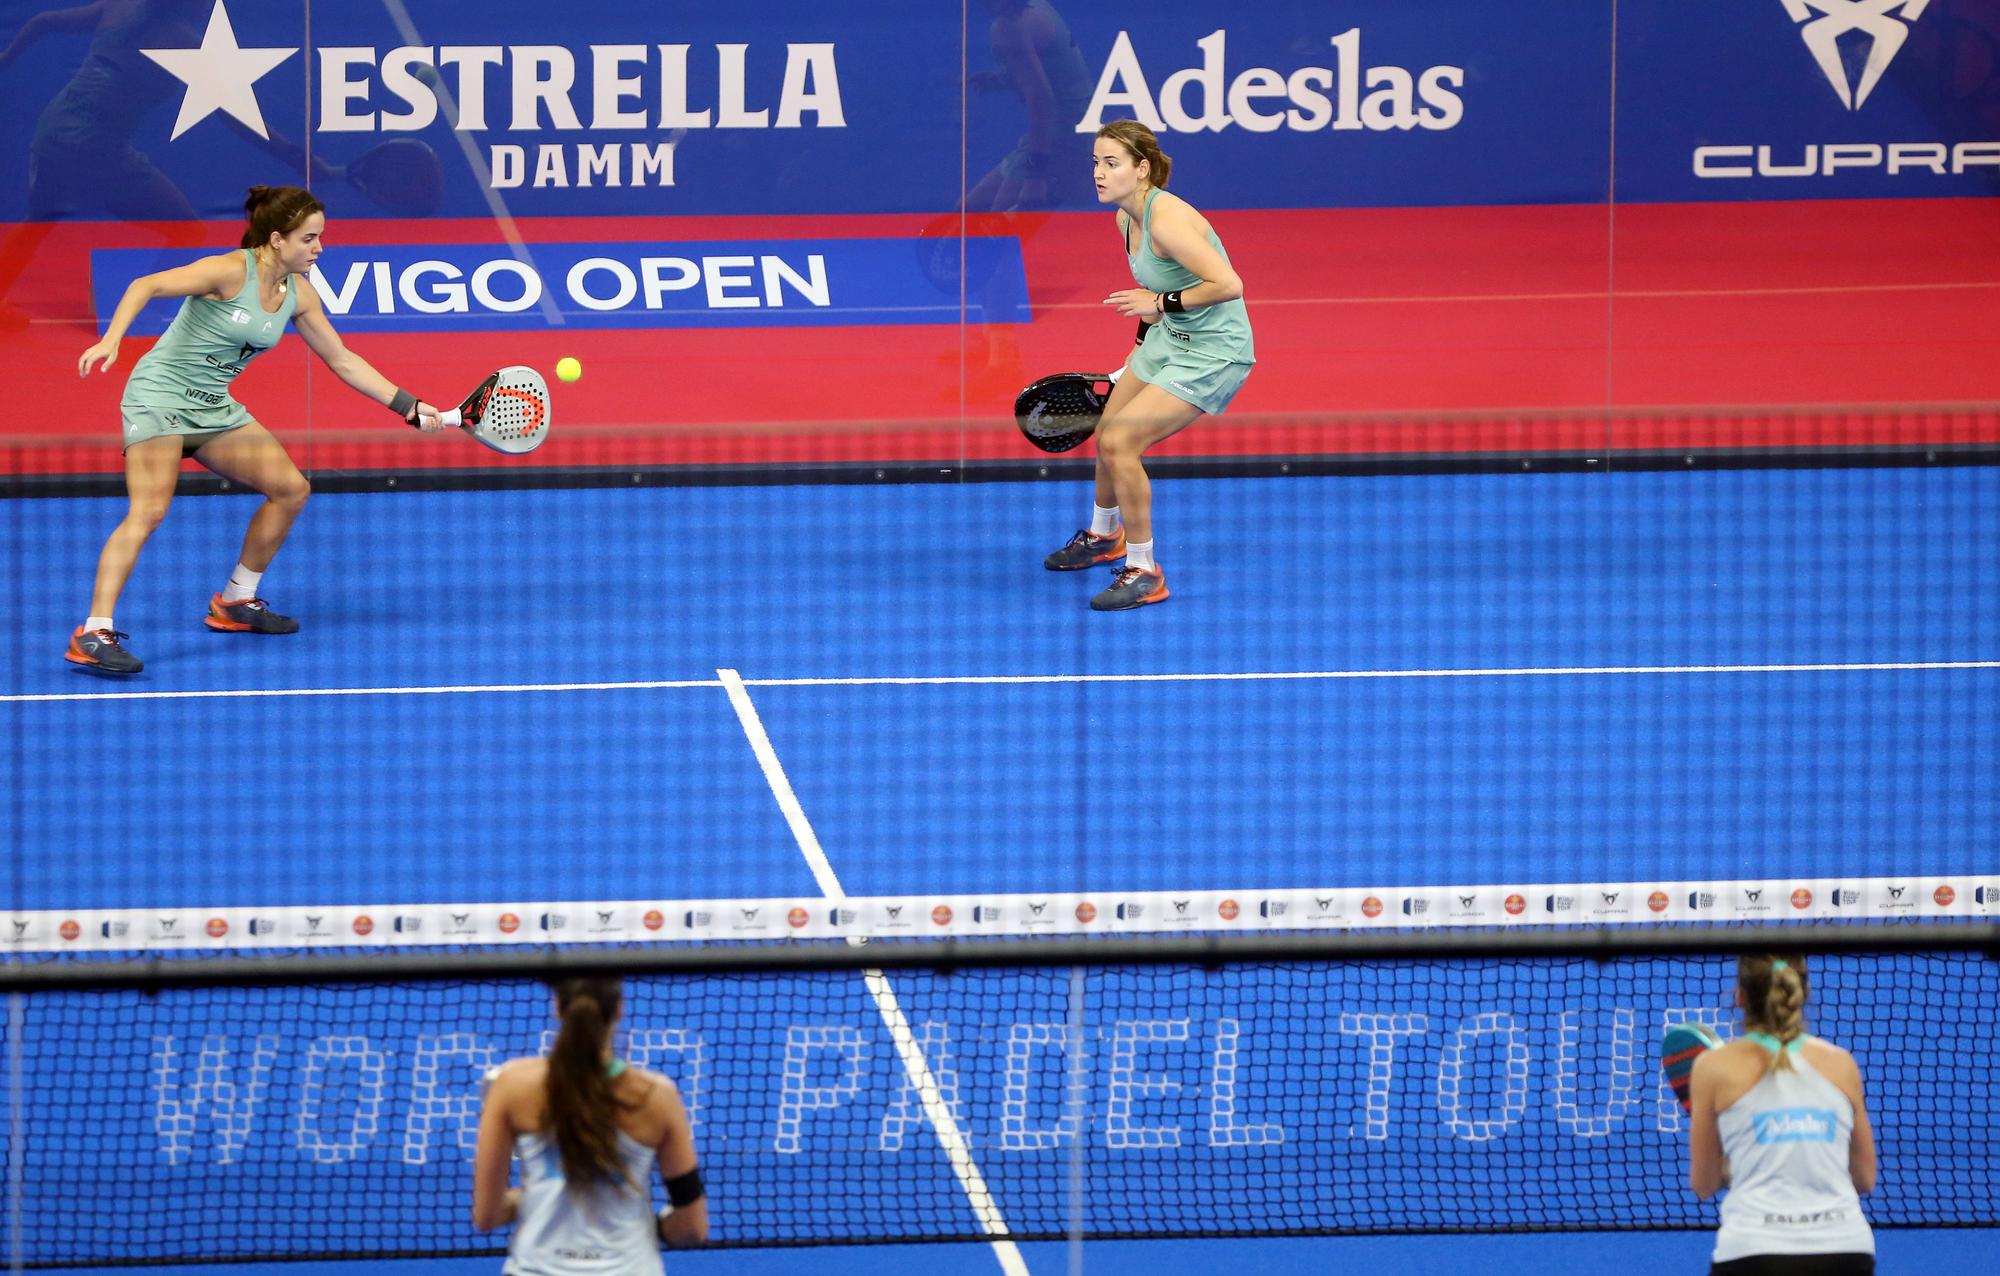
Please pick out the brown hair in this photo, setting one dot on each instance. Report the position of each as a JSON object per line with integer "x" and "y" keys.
{"x": 276, "y": 210}
{"x": 1774, "y": 997}
{"x": 1139, "y": 140}
{"x": 583, "y": 1112}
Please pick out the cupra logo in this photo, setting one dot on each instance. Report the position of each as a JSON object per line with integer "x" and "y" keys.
{"x": 1876, "y": 18}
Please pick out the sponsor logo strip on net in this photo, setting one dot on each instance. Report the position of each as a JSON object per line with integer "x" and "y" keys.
{"x": 971, "y": 916}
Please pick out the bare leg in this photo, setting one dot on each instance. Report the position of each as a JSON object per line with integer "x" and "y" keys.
{"x": 1123, "y": 392}
{"x": 1126, "y": 431}
{"x": 253, "y": 457}
{"x": 152, "y": 469}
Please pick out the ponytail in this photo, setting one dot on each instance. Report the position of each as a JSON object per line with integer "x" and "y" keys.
{"x": 276, "y": 210}
{"x": 1774, "y": 998}
{"x": 583, "y": 1112}
{"x": 1139, "y": 141}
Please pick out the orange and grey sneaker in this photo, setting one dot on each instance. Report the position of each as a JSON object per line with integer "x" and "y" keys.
{"x": 1131, "y": 587}
{"x": 1085, "y": 550}
{"x": 98, "y": 649}
{"x": 247, "y": 616}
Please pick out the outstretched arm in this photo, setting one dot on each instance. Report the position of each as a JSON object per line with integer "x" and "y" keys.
{"x": 361, "y": 376}
{"x": 196, "y": 279}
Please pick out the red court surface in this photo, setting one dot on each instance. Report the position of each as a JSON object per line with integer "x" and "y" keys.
{"x": 1865, "y": 323}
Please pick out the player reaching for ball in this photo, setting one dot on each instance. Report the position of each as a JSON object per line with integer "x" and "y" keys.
{"x": 177, "y": 403}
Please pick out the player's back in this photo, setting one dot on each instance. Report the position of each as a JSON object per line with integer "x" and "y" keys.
{"x": 571, "y": 1229}
{"x": 1787, "y": 1140}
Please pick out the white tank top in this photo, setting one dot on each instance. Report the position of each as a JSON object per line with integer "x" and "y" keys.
{"x": 602, "y": 1229}
{"x": 1790, "y": 1188}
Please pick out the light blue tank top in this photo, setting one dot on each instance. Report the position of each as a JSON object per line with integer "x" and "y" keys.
{"x": 208, "y": 345}
{"x": 1790, "y": 1190}
{"x": 1220, "y": 331}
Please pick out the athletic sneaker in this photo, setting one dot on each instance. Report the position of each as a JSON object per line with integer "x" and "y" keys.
{"x": 1085, "y": 550}
{"x": 1131, "y": 587}
{"x": 250, "y": 616}
{"x": 98, "y": 649}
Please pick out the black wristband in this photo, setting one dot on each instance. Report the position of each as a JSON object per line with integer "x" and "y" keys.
{"x": 1170, "y": 302}
{"x": 685, "y": 1189}
{"x": 1139, "y": 338}
{"x": 404, "y": 404}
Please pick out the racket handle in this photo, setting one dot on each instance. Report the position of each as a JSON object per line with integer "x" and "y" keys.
{"x": 1112, "y": 377}
{"x": 452, "y": 418}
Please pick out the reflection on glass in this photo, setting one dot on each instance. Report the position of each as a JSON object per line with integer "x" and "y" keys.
{"x": 1046, "y": 168}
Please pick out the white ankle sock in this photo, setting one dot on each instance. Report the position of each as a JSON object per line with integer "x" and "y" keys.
{"x": 242, "y": 584}
{"x": 1103, "y": 522}
{"x": 97, "y": 622}
{"x": 1140, "y": 554}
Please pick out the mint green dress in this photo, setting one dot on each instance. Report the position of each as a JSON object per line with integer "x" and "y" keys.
{"x": 1200, "y": 356}
{"x": 181, "y": 385}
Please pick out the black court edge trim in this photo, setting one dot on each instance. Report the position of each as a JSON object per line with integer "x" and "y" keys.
{"x": 153, "y": 973}
{"x": 512, "y": 478}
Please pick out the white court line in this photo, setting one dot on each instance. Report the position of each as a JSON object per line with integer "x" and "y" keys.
{"x": 284, "y": 692}
{"x": 969, "y": 680}
{"x": 1594, "y": 294}
{"x": 984, "y": 1208}
{"x": 1337, "y": 674}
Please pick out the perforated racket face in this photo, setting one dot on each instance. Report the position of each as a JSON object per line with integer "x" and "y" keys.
{"x": 516, "y": 415}
{"x": 1057, "y": 413}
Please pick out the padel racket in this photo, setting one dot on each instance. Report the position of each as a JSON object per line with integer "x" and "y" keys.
{"x": 1059, "y": 412}
{"x": 509, "y": 412}
{"x": 1683, "y": 1044}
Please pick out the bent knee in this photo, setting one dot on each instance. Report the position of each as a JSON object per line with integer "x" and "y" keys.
{"x": 292, "y": 492}
{"x": 146, "y": 515}
{"x": 1118, "y": 445}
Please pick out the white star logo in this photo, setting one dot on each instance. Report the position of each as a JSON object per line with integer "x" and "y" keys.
{"x": 220, "y": 75}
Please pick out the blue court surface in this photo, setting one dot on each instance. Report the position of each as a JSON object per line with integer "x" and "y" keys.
{"x": 1187, "y": 776}
{"x": 1422, "y": 680}
{"x": 1551, "y": 1254}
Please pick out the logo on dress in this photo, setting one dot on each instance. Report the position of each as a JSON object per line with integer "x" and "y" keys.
{"x": 1793, "y": 1125}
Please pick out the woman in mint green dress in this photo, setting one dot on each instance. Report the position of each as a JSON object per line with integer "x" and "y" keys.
{"x": 177, "y": 403}
{"x": 1194, "y": 355}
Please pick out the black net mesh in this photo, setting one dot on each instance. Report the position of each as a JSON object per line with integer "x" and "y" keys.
{"x": 1363, "y": 1096}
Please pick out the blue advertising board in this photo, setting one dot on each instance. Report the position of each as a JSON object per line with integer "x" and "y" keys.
{"x": 168, "y": 109}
